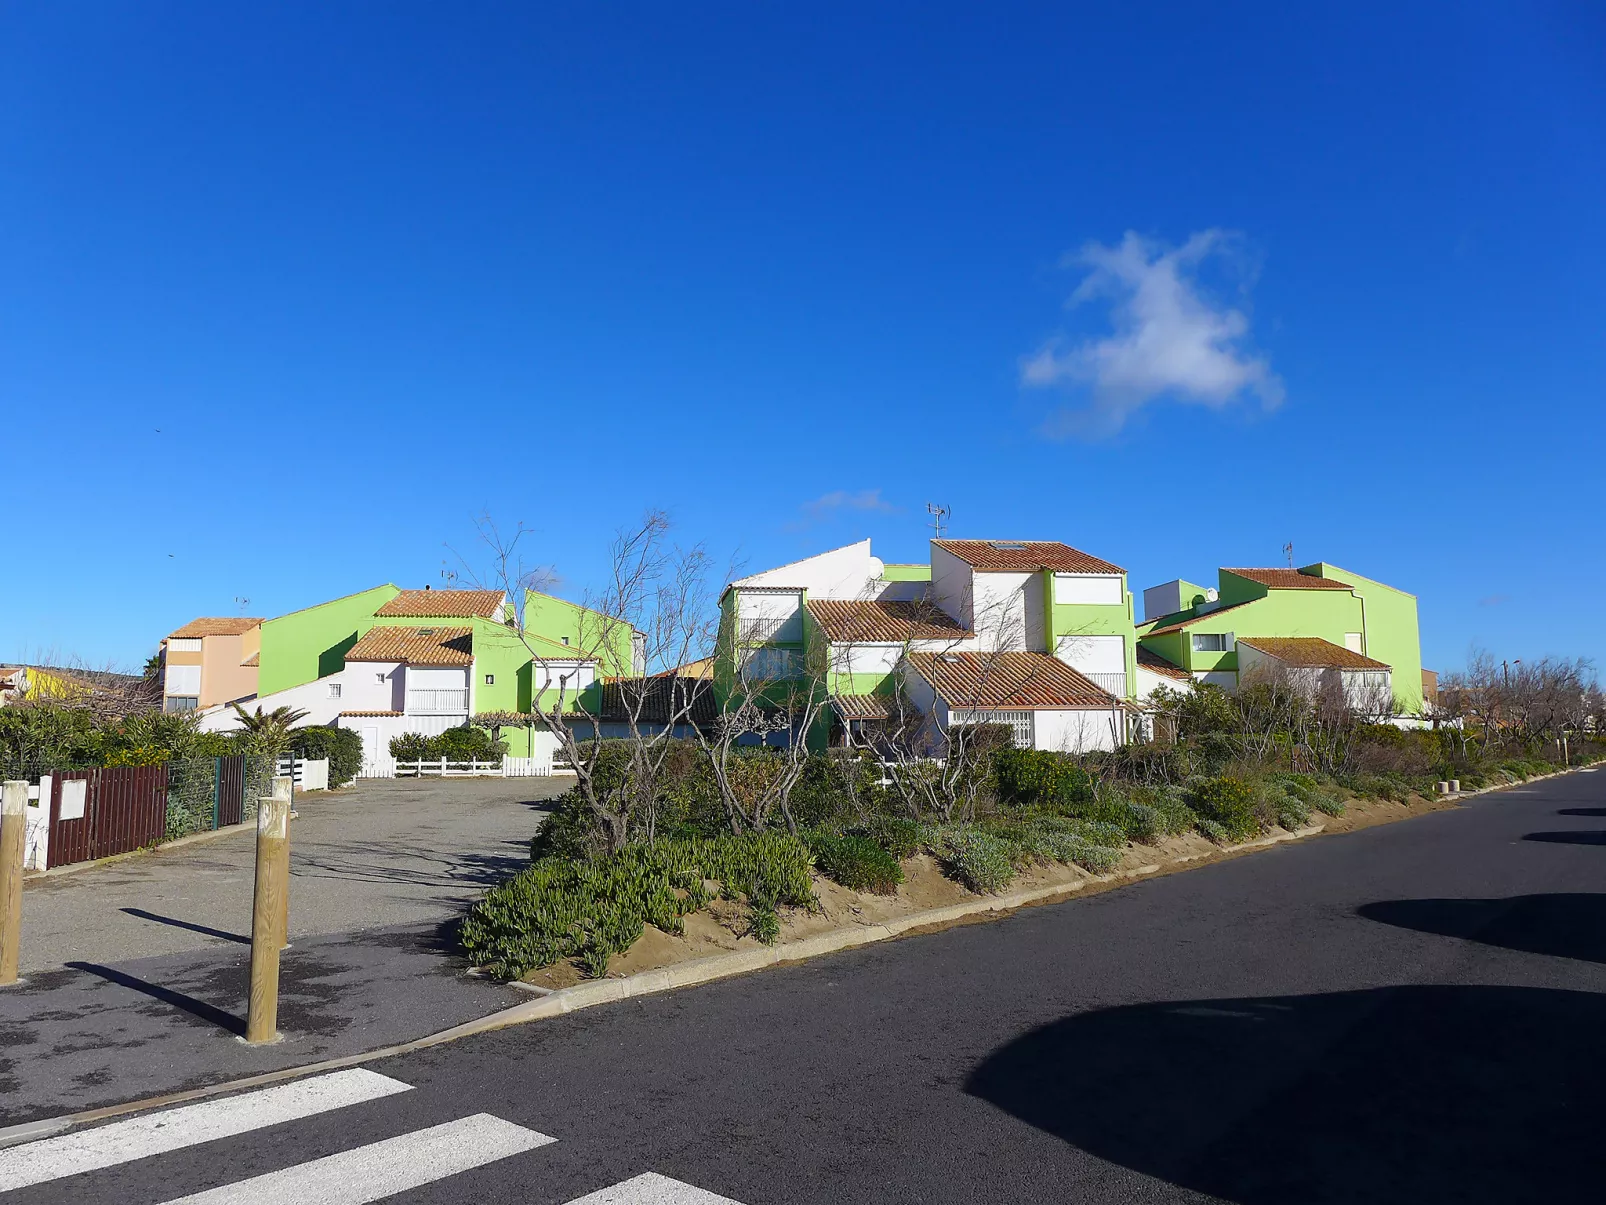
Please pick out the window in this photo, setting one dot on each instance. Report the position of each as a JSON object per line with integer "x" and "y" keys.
{"x": 490, "y": 679}
{"x": 1101, "y": 589}
{"x": 1007, "y": 545}
{"x": 182, "y": 679}
{"x": 379, "y": 676}
{"x": 186, "y": 703}
{"x": 565, "y": 641}
{"x": 334, "y": 690}
{"x": 184, "y": 644}
{"x": 1212, "y": 642}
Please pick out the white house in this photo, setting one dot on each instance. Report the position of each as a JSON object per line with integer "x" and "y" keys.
{"x": 1046, "y": 703}
{"x": 1316, "y": 667}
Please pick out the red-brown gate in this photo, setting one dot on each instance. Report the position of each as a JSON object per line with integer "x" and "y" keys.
{"x": 98, "y": 813}
{"x": 230, "y": 790}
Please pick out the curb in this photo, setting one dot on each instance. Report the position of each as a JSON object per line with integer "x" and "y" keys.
{"x": 685, "y": 974}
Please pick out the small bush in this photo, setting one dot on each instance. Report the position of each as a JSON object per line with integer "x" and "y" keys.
{"x": 979, "y": 860}
{"x": 591, "y": 909}
{"x": 1143, "y": 824}
{"x": 1230, "y": 802}
{"x": 898, "y": 835}
{"x": 858, "y": 863}
{"x": 464, "y": 743}
{"x": 342, "y": 746}
{"x": 1215, "y": 831}
{"x": 1325, "y": 799}
{"x": 1036, "y": 776}
{"x": 1293, "y": 813}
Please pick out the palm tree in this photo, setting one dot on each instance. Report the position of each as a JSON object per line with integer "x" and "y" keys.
{"x": 267, "y": 734}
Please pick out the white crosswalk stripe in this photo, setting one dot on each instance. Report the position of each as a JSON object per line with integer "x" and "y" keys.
{"x": 652, "y": 1189}
{"x": 188, "y": 1125}
{"x": 380, "y": 1169}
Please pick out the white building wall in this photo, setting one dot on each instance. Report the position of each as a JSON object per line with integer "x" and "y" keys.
{"x": 848, "y": 572}
{"x": 865, "y": 658}
{"x": 1146, "y": 682}
{"x": 1093, "y": 654}
{"x": 779, "y": 613}
{"x": 1078, "y": 731}
{"x": 547, "y": 674}
{"x": 311, "y": 697}
{"x": 1005, "y": 617}
{"x": 953, "y": 586}
{"x": 372, "y": 686}
{"x": 1101, "y": 589}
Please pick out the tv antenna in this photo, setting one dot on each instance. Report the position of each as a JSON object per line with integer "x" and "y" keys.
{"x": 1288, "y": 551}
{"x": 939, "y": 517}
{"x": 242, "y": 603}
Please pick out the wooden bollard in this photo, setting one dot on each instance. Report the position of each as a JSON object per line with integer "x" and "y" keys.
{"x": 13, "y": 823}
{"x": 282, "y": 790}
{"x": 267, "y": 917}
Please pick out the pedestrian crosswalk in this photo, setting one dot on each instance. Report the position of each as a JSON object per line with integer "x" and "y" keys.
{"x": 369, "y": 1172}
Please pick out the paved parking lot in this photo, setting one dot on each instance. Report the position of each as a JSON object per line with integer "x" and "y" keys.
{"x": 384, "y": 853}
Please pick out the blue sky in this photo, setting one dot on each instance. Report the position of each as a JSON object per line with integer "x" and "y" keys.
{"x": 290, "y": 295}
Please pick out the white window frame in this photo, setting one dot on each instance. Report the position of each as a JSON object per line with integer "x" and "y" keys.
{"x": 334, "y": 690}
{"x": 1224, "y": 642}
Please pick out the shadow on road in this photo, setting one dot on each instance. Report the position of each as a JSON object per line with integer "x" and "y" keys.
{"x": 1566, "y": 926}
{"x": 1581, "y": 812}
{"x": 185, "y": 924}
{"x": 1570, "y": 837}
{"x": 196, "y": 1008}
{"x": 1409, "y": 1094}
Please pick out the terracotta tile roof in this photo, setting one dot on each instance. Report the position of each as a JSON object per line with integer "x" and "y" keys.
{"x": 863, "y": 707}
{"x": 883, "y": 621}
{"x": 368, "y": 714}
{"x": 654, "y": 698}
{"x": 443, "y": 604}
{"x": 1289, "y": 579}
{"x": 416, "y": 646}
{"x": 254, "y": 660}
{"x": 215, "y": 625}
{"x": 1016, "y": 681}
{"x": 1183, "y": 623}
{"x": 1025, "y": 556}
{"x": 1152, "y": 661}
{"x": 1310, "y": 652}
{"x": 544, "y": 648}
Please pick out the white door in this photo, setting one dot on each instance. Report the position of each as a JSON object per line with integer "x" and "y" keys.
{"x": 370, "y": 744}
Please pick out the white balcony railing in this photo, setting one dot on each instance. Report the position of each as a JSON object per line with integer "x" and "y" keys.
{"x": 1114, "y": 683}
{"x": 437, "y": 702}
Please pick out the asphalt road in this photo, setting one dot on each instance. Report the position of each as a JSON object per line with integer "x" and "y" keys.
{"x": 1415, "y": 1012}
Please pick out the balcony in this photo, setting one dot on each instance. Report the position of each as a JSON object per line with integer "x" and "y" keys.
{"x": 1114, "y": 683}
{"x": 437, "y": 702}
{"x": 767, "y": 631}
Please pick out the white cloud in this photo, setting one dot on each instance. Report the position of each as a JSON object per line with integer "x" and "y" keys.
{"x": 844, "y": 500}
{"x": 1169, "y": 340}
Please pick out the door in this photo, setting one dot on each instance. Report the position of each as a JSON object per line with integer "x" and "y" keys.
{"x": 370, "y": 745}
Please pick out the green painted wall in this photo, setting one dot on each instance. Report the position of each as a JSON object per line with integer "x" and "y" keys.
{"x": 555, "y": 618}
{"x": 305, "y": 645}
{"x": 1328, "y": 614}
{"x": 1091, "y": 619}
{"x": 1392, "y": 632}
{"x": 907, "y": 573}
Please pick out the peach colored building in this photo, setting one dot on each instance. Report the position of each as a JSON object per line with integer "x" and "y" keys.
{"x": 210, "y": 660}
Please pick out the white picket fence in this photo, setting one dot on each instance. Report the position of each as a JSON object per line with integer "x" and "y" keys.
{"x": 307, "y": 775}
{"x": 506, "y": 767}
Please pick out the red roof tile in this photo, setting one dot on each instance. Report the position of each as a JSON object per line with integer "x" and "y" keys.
{"x": 1152, "y": 661}
{"x": 416, "y": 646}
{"x": 1025, "y": 556}
{"x": 883, "y": 621}
{"x": 443, "y": 604}
{"x": 215, "y": 625}
{"x": 1310, "y": 652}
{"x": 1289, "y": 579}
{"x": 1018, "y": 681}
{"x": 1193, "y": 619}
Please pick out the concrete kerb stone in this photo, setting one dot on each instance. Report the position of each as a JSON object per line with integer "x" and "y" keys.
{"x": 645, "y": 983}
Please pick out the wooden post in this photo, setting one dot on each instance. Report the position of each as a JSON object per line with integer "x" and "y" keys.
{"x": 284, "y": 794}
{"x": 267, "y": 912}
{"x": 13, "y": 823}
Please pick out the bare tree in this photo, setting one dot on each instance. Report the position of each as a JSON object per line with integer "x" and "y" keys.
{"x": 653, "y": 614}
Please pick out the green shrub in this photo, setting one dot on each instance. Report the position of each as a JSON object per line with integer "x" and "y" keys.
{"x": 1293, "y": 813}
{"x": 593, "y": 908}
{"x": 342, "y": 746}
{"x": 1037, "y": 776}
{"x": 898, "y": 835}
{"x": 1215, "y": 831}
{"x": 411, "y": 746}
{"x": 1325, "y": 799}
{"x": 764, "y": 922}
{"x": 464, "y": 743}
{"x": 1230, "y": 802}
{"x": 1172, "y": 814}
{"x": 1143, "y": 824}
{"x": 858, "y": 863}
{"x": 979, "y": 860}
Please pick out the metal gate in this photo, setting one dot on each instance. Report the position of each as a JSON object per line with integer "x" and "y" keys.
{"x": 230, "y": 791}
{"x": 98, "y": 813}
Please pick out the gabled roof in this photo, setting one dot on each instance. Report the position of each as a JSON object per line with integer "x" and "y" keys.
{"x": 883, "y": 621}
{"x": 1152, "y": 661}
{"x": 416, "y": 646}
{"x": 654, "y": 699}
{"x": 863, "y": 707}
{"x": 443, "y": 604}
{"x": 1310, "y": 652}
{"x": 1289, "y": 579}
{"x": 215, "y": 625}
{"x": 1025, "y": 556}
{"x": 1193, "y": 619}
{"x": 1013, "y": 680}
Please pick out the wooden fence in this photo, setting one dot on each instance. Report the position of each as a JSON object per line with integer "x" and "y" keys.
{"x": 98, "y": 813}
